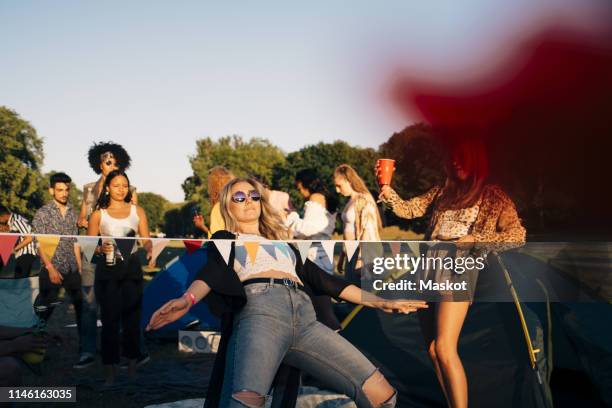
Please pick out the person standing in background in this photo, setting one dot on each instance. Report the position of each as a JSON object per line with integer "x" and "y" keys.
{"x": 119, "y": 284}
{"x": 64, "y": 269}
{"x": 360, "y": 216}
{"x": 103, "y": 158}
{"x": 318, "y": 223}
{"x": 25, "y": 250}
{"x": 218, "y": 177}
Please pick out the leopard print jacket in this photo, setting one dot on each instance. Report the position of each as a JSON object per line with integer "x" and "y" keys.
{"x": 497, "y": 226}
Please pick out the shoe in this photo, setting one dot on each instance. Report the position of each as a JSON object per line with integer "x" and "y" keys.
{"x": 84, "y": 362}
{"x": 140, "y": 361}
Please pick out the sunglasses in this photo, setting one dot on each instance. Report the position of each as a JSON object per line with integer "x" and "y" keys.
{"x": 241, "y": 196}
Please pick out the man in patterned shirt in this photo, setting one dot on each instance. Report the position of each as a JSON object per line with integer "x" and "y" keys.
{"x": 58, "y": 217}
{"x": 25, "y": 250}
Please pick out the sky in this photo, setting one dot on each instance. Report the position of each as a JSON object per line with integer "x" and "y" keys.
{"x": 155, "y": 76}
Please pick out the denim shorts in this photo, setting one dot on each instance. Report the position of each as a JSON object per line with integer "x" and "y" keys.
{"x": 278, "y": 325}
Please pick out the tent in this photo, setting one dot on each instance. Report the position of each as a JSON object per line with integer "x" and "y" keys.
{"x": 171, "y": 282}
{"x": 504, "y": 347}
{"x": 16, "y": 299}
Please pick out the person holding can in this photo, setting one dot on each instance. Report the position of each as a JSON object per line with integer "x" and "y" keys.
{"x": 119, "y": 279}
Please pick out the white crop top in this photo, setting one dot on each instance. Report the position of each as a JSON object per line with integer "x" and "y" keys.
{"x": 119, "y": 227}
{"x": 268, "y": 256}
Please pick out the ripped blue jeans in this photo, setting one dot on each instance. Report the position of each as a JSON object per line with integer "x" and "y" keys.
{"x": 278, "y": 324}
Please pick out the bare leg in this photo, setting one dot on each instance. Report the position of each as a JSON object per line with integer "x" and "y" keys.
{"x": 377, "y": 389}
{"x": 450, "y": 317}
{"x": 427, "y": 322}
{"x": 251, "y": 399}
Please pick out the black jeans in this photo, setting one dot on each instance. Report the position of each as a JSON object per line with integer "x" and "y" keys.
{"x": 23, "y": 265}
{"x": 49, "y": 292}
{"x": 120, "y": 304}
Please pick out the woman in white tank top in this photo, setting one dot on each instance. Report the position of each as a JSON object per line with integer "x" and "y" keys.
{"x": 118, "y": 286}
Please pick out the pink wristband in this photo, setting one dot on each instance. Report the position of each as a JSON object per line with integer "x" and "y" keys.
{"x": 191, "y": 297}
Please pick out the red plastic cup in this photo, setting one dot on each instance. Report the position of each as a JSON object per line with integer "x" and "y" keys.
{"x": 386, "y": 167}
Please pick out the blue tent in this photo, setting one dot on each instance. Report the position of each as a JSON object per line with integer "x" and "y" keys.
{"x": 171, "y": 282}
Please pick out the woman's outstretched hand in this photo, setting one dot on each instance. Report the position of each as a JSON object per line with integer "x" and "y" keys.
{"x": 168, "y": 313}
{"x": 400, "y": 306}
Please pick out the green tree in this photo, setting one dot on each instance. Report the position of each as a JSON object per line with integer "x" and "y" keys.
{"x": 325, "y": 157}
{"x": 154, "y": 206}
{"x": 21, "y": 157}
{"x": 178, "y": 220}
{"x": 255, "y": 156}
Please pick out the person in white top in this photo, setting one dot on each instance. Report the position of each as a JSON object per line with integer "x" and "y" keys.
{"x": 360, "y": 216}
{"x": 318, "y": 223}
{"x": 118, "y": 286}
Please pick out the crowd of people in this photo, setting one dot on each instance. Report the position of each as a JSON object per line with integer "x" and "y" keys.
{"x": 276, "y": 309}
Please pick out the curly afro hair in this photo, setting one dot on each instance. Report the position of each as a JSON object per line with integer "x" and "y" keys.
{"x": 98, "y": 149}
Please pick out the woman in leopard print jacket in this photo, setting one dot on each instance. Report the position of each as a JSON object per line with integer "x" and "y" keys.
{"x": 475, "y": 215}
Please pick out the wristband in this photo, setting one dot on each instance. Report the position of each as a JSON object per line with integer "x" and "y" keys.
{"x": 191, "y": 297}
{"x": 48, "y": 266}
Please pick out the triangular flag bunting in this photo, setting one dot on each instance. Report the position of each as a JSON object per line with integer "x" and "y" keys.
{"x": 125, "y": 246}
{"x": 88, "y": 246}
{"x": 48, "y": 244}
{"x": 395, "y": 247}
{"x": 240, "y": 255}
{"x": 252, "y": 248}
{"x": 414, "y": 247}
{"x": 351, "y": 247}
{"x": 158, "y": 247}
{"x": 283, "y": 247}
{"x": 225, "y": 248}
{"x": 192, "y": 245}
{"x": 270, "y": 248}
{"x": 7, "y": 243}
{"x": 328, "y": 247}
{"x": 303, "y": 247}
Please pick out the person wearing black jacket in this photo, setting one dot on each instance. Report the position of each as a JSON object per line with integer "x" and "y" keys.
{"x": 262, "y": 294}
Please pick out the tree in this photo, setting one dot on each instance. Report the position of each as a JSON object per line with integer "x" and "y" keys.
{"x": 154, "y": 206}
{"x": 178, "y": 220}
{"x": 21, "y": 157}
{"x": 324, "y": 157}
{"x": 253, "y": 157}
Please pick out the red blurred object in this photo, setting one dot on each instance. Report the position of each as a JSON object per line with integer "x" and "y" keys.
{"x": 547, "y": 127}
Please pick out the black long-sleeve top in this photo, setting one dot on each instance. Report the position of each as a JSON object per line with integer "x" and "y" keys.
{"x": 227, "y": 297}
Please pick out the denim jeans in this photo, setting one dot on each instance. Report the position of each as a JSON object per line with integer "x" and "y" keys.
{"x": 278, "y": 324}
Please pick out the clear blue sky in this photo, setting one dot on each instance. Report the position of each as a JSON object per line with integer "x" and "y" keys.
{"x": 157, "y": 75}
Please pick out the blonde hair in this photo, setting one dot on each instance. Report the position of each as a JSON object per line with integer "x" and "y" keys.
{"x": 357, "y": 184}
{"x": 218, "y": 177}
{"x": 270, "y": 224}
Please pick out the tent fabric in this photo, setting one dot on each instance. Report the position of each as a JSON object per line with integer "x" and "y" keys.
{"x": 16, "y": 300}
{"x": 171, "y": 282}
{"x": 492, "y": 346}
